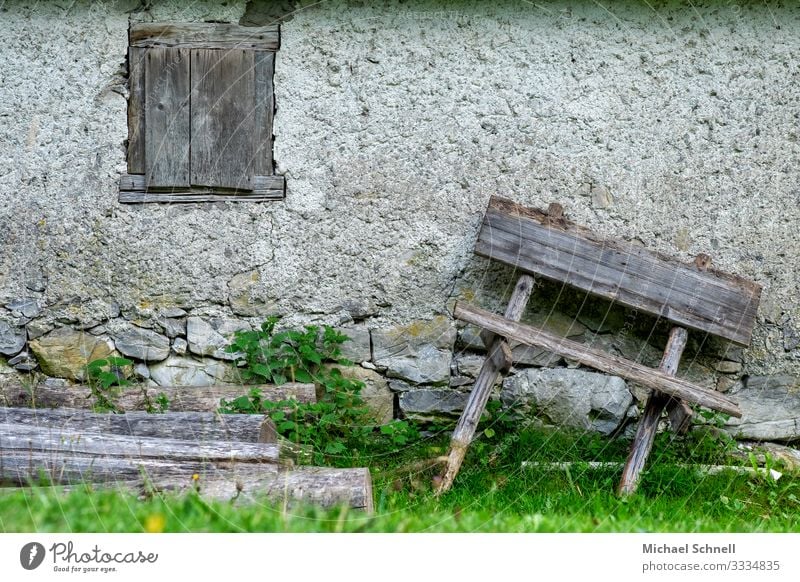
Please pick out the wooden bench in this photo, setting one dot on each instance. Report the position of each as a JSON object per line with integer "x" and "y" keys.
{"x": 689, "y": 296}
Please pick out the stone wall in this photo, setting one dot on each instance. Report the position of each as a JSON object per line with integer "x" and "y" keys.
{"x": 672, "y": 126}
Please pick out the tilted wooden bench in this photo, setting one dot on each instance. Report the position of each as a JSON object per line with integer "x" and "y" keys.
{"x": 693, "y": 296}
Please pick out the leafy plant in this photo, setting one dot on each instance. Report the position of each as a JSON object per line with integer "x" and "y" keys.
{"x": 106, "y": 377}
{"x": 339, "y": 421}
{"x": 158, "y": 406}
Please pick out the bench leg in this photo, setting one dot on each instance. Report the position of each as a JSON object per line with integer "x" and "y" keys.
{"x": 495, "y": 363}
{"x": 680, "y": 415}
{"x": 646, "y": 432}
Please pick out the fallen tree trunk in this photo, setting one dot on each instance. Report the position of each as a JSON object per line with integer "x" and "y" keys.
{"x": 57, "y": 443}
{"x": 241, "y": 483}
{"x": 322, "y": 486}
{"x": 20, "y": 468}
{"x": 187, "y": 426}
{"x": 181, "y": 398}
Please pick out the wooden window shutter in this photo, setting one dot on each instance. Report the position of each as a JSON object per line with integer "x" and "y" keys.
{"x": 223, "y": 111}
{"x": 167, "y": 128}
{"x": 200, "y": 114}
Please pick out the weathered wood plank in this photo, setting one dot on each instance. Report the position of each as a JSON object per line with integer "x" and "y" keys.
{"x": 264, "y": 112}
{"x": 492, "y": 365}
{"x": 594, "y": 358}
{"x": 136, "y": 95}
{"x": 700, "y": 469}
{"x": 323, "y": 486}
{"x": 204, "y": 35}
{"x": 187, "y": 426}
{"x": 181, "y": 398}
{"x": 30, "y": 467}
{"x": 648, "y": 424}
{"x": 163, "y": 197}
{"x": 223, "y": 118}
{"x": 531, "y": 240}
{"x": 167, "y": 127}
{"x": 55, "y": 441}
{"x": 133, "y": 190}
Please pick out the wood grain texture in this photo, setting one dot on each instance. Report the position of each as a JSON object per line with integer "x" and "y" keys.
{"x": 287, "y": 486}
{"x": 132, "y": 190}
{"x": 648, "y": 424}
{"x": 187, "y": 426}
{"x": 531, "y": 240}
{"x": 181, "y": 398}
{"x": 597, "y": 359}
{"x": 204, "y": 35}
{"x": 223, "y": 118}
{"x": 136, "y": 95}
{"x": 55, "y": 441}
{"x": 264, "y": 112}
{"x": 167, "y": 127}
{"x": 322, "y": 486}
{"x": 492, "y": 365}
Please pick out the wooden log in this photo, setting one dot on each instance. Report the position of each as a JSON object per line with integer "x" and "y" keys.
{"x": 186, "y": 426}
{"x": 181, "y": 398}
{"x": 288, "y": 486}
{"x": 594, "y": 358}
{"x": 657, "y": 401}
{"x": 492, "y": 365}
{"x": 20, "y": 468}
{"x": 322, "y": 486}
{"x": 56, "y": 442}
{"x": 535, "y": 242}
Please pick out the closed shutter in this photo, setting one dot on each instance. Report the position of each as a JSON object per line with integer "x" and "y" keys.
{"x": 200, "y": 114}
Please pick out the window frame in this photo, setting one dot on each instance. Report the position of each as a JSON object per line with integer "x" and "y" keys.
{"x": 191, "y": 39}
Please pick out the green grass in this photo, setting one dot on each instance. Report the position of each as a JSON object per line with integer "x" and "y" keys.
{"x": 492, "y": 494}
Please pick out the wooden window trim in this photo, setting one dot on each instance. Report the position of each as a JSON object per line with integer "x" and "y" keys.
{"x": 263, "y": 41}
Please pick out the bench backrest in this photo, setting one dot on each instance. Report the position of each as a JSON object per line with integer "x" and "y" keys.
{"x": 535, "y": 242}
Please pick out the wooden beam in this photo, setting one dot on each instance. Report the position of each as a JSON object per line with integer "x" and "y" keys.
{"x": 679, "y": 413}
{"x": 594, "y": 358}
{"x": 537, "y": 243}
{"x": 181, "y": 398}
{"x": 492, "y": 365}
{"x": 287, "y": 486}
{"x": 187, "y": 426}
{"x": 205, "y": 35}
{"x": 132, "y": 190}
{"x": 55, "y": 441}
{"x": 648, "y": 424}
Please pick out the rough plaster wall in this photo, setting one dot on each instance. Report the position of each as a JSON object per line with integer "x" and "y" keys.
{"x": 401, "y": 120}
{"x": 395, "y": 123}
